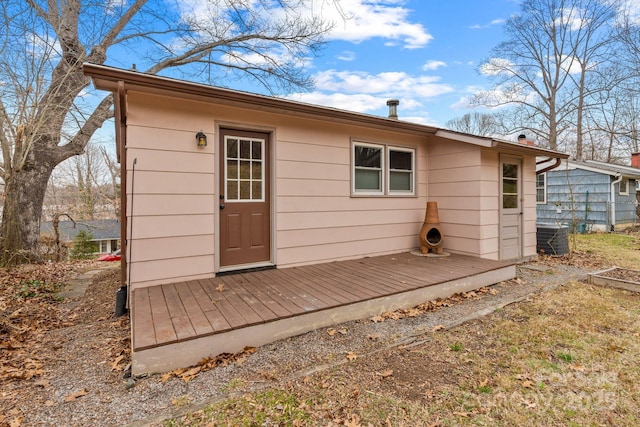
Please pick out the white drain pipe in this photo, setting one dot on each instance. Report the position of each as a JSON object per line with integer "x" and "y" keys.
{"x": 613, "y": 201}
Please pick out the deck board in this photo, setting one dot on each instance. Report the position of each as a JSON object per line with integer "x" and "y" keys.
{"x": 143, "y": 318}
{"x": 228, "y": 310}
{"x": 182, "y": 311}
{"x": 194, "y": 311}
{"x": 161, "y": 318}
{"x": 208, "y": 308}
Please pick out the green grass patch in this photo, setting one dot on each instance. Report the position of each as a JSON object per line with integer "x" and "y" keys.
{"x": 618, "y": 249}
{"x": 36, "y": 288}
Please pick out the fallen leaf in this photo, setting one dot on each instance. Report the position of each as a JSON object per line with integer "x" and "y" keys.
{"x": 386, "y": 373}
{"x": 377, "y": 319}
{"x": 74, "y": 396}
{"x": 527, "y": 384}
{"x": 463, "y": 414}
{"x": 331, "y": 332}
{"x": 351, "y": 355}
{"x": 342, "y": 331}
{"x": 114, "y": 364}
{"x": 191, "y": 373}
{"x": 165, "y": 377}
{"x": 354, "y": 421}
{"x": 437, "y": 328}
{"x": 577, "y": 368}
{"x": 220, "y": 287}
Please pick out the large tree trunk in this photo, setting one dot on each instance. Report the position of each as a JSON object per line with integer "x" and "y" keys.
{"x": 20, "y": 229}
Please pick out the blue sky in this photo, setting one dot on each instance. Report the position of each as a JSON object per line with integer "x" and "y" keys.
{"x": 423, "y": 52}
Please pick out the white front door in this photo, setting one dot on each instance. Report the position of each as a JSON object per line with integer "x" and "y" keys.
{"x": 510, "y": 208}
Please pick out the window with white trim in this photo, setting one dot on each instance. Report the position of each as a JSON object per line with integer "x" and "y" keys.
{"x": 368, "y": 161}
{"x": 401, "y": 167}
{"x": 382, "y": 170}
{"x": 624, "y": 187}
{"x": 541, "y": 188}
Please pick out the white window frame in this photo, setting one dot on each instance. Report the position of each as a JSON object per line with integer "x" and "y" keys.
{"x": 626, "y": 186}
{"x": 412, "y": 173}
{"x": 385, "y": 172}
{"x": 356, "y": 191}
{"x": 544, "y": 189}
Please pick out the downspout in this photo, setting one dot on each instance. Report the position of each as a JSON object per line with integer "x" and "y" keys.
{"x": 613, "y": 201}
{"x": 123, "y": 295}
{"x": 548, "y": 168}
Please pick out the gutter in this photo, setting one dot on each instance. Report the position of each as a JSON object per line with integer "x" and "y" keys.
{"x": 548, "y": 168}
{"x": 613, "y": 201}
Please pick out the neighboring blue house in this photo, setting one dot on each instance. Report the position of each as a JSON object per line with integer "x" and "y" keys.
{"x": 589, "y": 195}
{"x": 105, "y": 232}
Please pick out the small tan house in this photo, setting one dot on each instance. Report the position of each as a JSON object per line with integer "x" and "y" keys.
{"x": 219, "y": 180}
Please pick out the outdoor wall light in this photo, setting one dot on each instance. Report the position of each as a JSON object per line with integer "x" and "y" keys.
{"x": 202, "y": 139}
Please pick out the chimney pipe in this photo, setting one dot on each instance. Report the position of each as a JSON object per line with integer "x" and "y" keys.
{"x": 393, "y": 108}
{"x": 635, "y": 160}
{"x": 522, "y": 139}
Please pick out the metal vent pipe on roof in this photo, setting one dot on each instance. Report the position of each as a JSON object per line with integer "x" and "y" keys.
{"x": 393, "y": 108}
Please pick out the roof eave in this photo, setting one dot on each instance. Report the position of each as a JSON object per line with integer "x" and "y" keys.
{"x": 107, "y": 78}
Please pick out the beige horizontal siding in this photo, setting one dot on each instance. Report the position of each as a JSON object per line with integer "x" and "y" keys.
{"x": 172, "y": 247}
{"x": 174, "y": 204}
{"x": 148, "y": 273}
{"x": 291, "y": 257}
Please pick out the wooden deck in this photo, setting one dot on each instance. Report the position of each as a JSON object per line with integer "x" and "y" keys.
{"x": 176, "y": 325}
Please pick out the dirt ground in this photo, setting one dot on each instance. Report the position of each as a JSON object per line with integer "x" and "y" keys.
{"x": 66, "y": 362}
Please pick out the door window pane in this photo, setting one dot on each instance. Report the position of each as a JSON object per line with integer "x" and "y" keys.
{"x": 232, "y": 190}
{"x": 232, "y": 148}
{"x": 509, "y": 186}
{"x": 509, "y": 201}
{"x": 245, "y": 149}
{"x": 509, "y": 171}
{"x": 244, "y": 169}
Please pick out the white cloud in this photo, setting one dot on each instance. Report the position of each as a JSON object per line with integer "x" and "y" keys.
{"x": 498, "y": 21}
{"x": 368, "y": 93}
{"x": 366, "y": 104}
{"x": 572, "y": 18}
{"x": 360, "y": 20}
{"x": 390, "y": 83}
{"x": 362, "y": 103}
{"x": 433, "y": 65}
{"x": 495, "y": 66}
{"x": 347, "y": 56}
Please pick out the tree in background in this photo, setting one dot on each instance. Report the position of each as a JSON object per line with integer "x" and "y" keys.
{"x": 476, "y": 123}
{"x": 46, "y": 116}
{"x": 83, "y": 246}
{"x": 547, "y": 68}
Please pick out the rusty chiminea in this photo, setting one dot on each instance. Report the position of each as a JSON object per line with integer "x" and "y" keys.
{"x": 431, "y": 237}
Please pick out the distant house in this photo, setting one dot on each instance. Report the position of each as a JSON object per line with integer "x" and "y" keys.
{"x": 589, "y": 195}
{"x": 105, "y": 232}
